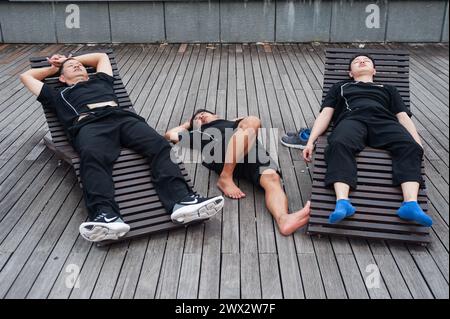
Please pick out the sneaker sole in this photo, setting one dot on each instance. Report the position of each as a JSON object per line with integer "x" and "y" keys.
{"x": 299, "y": 147}
{"x": 103, "y": 231}
{"x": 202, "y": 211}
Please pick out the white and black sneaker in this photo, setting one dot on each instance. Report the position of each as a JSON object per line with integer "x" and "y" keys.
{"x": 105, "y": 226}
{"x": 195, "y": 208}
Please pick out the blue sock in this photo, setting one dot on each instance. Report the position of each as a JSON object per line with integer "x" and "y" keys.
{"x": 343, "y": 209}
{"x": 412, "y": 211}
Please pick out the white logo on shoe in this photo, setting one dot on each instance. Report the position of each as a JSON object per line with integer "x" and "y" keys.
{"x": 110, "y": 219}
{"x": 195, "y": 201}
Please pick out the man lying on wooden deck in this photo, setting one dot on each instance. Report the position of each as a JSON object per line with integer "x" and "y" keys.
{"x": 97, "y": 127}
{"x": 368, "y": 114}
{"x": 231, "y": 149}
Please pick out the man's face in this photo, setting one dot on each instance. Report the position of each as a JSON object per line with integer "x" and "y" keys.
{"x": 73, "y": 72}
{"x": 362, "y": 65}
{"x": 203, "y": 118}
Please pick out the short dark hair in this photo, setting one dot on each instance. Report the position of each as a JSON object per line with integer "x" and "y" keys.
{"x": 357, "y": 55}
{"x": 61, "y": 67}
{"x": 191, "y": 122}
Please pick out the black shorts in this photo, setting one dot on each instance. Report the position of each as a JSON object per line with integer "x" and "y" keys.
{"x": 250, "y": 170}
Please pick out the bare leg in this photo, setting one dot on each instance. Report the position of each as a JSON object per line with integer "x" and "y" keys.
{"x": 240, "y": 143}
{"x": 277, "y": 204}
{"x": 410, "y": 191}
{"x": 342, "y": 190}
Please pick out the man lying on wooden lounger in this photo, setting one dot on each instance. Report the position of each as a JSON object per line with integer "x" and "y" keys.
{"x": 231, "y": 149}
{"x": 373, "y": 114}
{"x": 88, "y": 109}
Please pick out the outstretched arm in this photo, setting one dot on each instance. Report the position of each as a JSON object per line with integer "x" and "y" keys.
{"x": 406, "y": 121}
{"x": 172, "y": 135}
{"x": 320, "y": 126}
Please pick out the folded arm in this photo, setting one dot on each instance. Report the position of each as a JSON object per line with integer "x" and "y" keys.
{"x": 172, "y": 135}
{"x": 32, "y": 79}
{"x": 100, "y": 61}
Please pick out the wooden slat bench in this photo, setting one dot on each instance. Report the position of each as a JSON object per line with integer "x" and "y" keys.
{"x": 134, "y": 192}
{"x": 376, "y": 199}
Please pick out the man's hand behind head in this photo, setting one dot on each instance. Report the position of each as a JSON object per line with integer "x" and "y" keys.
{"x": 57, "y": 59}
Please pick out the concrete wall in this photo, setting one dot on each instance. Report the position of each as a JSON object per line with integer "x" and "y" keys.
{"x": 406, "y": 23}
{"x": 192, "y": 21}
{"x": 444, "y": 37}
{"x": 43, "y": 21}
{"x": 348, "y": 22}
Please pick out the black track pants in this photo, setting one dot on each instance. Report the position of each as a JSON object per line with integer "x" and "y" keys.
{"x": 99, "y": 143}
{"x": 350, "y": 137}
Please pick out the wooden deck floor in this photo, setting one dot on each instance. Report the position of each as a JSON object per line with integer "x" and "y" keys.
{"x": 239, "y": 253}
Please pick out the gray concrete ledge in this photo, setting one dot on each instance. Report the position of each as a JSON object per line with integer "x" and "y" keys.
{"x": 144, "y": 21}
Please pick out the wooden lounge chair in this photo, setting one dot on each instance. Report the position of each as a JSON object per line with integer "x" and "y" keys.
{"x": 134, "y": 192}
{"x": 375, "y": 199}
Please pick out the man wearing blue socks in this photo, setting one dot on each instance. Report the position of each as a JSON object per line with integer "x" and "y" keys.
{"x": 368, "y": 114}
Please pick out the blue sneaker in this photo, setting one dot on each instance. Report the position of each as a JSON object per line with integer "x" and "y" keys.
{"x": 296, "y": 140}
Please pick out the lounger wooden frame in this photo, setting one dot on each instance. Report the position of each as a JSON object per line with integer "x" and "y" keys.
{"x": 376, "y": 199}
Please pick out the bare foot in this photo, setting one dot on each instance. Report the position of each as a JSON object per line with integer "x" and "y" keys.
{"x": 229, "y": 188}
{"x": 289, "y": 223}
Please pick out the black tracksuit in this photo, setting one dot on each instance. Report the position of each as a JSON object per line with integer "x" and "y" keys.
{"x": 99, "y": 137}
{"x": 365, "y": 116}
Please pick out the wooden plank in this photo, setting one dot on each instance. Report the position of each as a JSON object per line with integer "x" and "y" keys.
{"x": 153, "y": 82}
{"x": 261, "y": 83}
{"x": 47, "y": 241}
{"x": 289, "y": 271}
{"x": 270, "y": 277}
{"x": 72, "y": 265}
{"x": 354, "y": 284}
{"x": 210, "y": 276}
{"x": 312, "y": 279}
{"x": 27, "y": 236}
{"x": 54, "y": 265}
{"x": 413, "y": 277}
{"x": 230, "y": 280}
{"x": 171, "y": 267}
{"x": 107, "y": 278}
{"x": 151, "y": 267}
{"x": 434, "y": 278}
{"x": 389, "y": 270}
{"x": 329, "y": 270}
{"x": 18, "y": 182}
{"x": 368, "y": 234}
{"x": 131, "y": 269}
{"x": 89, "y": 272}
{"x": 189, "y": 276}
{"x": 366, "y": 263}
{"x": 250, "y": 273}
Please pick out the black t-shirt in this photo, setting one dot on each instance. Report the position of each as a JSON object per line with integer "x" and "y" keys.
{"x": 361, "y": 100}
{"x": 69, "y": 102}
{"x": 210, "y": 135}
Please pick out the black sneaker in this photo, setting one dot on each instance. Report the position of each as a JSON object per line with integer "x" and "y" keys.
{"x": 194, "y": 208}
{"x": 105, "y": 226}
